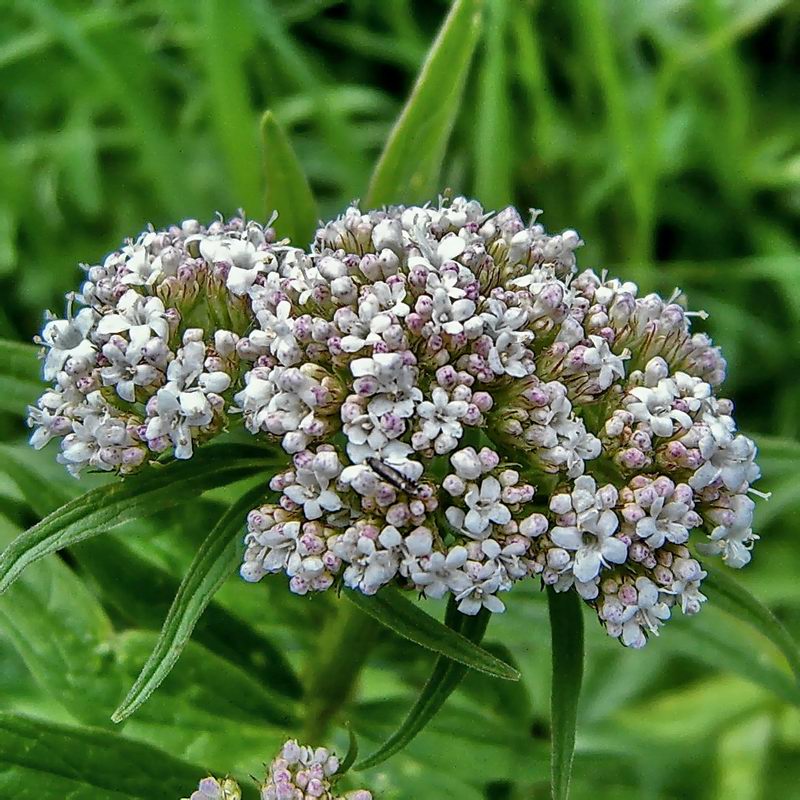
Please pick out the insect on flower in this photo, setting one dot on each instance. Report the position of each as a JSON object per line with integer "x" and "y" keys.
{"x": 392, "y": 476}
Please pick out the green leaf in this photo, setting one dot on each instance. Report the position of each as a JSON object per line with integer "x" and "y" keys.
{"x": 400, "y": 615}
{"x": 20, "y": 382}
{"x": 224, "y": 44}
{"x": 566, "y": 632}
{"x": 63, "y": 636}
{"x": 44, "y": 761}
{"x": 204, "y": 684}
{"x": 287, "y": 189}
{"x": 720, "y": 640}
{"x": 352, "y": 753}
{"x": 409, "y": 166}
{"x": 149, "y": 492}
{"x": 443, "y": 681}
{"x": 120, "y": 591}
{"x": 730, "y": 595}
{"x": 220, "y": 630}
{"x": 493, "y": 151}
{"x": 215, "y": 561}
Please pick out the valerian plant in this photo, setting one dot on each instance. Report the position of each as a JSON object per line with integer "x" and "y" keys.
{"x": 428, "y": 401}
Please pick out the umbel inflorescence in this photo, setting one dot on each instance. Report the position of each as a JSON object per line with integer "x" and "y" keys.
{"x": 297, "y": 773}
{"x": 460, "y": 408}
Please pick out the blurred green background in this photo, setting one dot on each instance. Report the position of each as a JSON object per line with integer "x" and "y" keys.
{"x": 665, "y": 131}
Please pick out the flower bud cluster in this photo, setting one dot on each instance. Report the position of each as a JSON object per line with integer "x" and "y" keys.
{"x": 305, "y": 773}
{"x": 297, "y": 773}
{"x": 460, "y": 409}
{"x": 147, "y": 356}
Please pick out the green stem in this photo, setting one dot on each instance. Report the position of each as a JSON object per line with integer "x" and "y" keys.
{"x": 344, "y": 647}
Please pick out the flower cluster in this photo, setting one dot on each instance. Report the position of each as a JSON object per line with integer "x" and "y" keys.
{"x": 147, "y": 363}
{"x": 461, "y": 409}
{"x": 212, "y": 789}
{"x": 297, "y": 773}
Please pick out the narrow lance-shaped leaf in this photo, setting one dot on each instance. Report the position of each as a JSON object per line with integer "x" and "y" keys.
{"x": 352, "y": 753}
{"x": 443, "y": 681}
{"x": 139, "y": 496}
{"x": 493, "y": 181}
{"x": 19, "y": 376}
{"x": 730, "y": 595}
{"x": 400, "y": 615}
{"x": 46, "y": 761}
{"x": 566, "y": 633}
{"x": 408, "y": 169}
{"x": 287, "y": 189}
{"x": 218, "y": 629}
{"x": 215, "y": 561}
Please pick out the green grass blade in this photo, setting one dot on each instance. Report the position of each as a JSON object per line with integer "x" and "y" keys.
{"x": 287, "y": 189}
{"x": 400, "y": 615}
{"x": 136, "y": 497}
{"x": 20, "y": 382}
{"x": 730, "y": 595}
{"x": 408, "y": 169}
{"x": 443, "y": 681}
{"x": 231, "y": 113}
{"x": 566, "y": 631}
{"x": 214, "y": 562}
{"x": 493, "y": 183}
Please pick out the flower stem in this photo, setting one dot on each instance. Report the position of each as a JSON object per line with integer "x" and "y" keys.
{"x": 344, "y": 647}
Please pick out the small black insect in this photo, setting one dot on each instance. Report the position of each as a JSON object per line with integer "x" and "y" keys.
{"x": 392, "y": 476}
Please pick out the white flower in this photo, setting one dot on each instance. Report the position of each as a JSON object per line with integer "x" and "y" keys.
{"x": 440, "y": 415}
{"x": 254, "y": 400}
{"x": 648, "y": 614}
{"x": 269, "y": 551}
{"x": 140, "y": 316}
{"x": 734, "y": 541}
{"x": 314, "y": 497}
{"x": 485, "y": 508}
{"x": 509, "y": 356}
{"x": 126, "y": 371}
{"x": 176, "y": 413}
{"x": 369, "y": 567}
{"x": 368, "y": 327}
{"x": 665, "y": 522}
{"x": 391, "y": 297}
{"x": 467, "y": 464}
{"x": 47, "y": 424}
{"x": 67, "y": 338}
{"x": 500, "y": 318}
{"x": 654, "y": 407}
{"x": 731, "y": 460}
{"x": 396, "y": 389}
{"x": 365, "y": 437}
{"x": 245, "y": 261}
{"x": 440, "y": 573}
{"x": 592, "y": 540}
{"x": 472, "y": 594}
{"x": 280, "y": 327}
{"x": 449, "y": 316}
{"x": 606, "y": 364}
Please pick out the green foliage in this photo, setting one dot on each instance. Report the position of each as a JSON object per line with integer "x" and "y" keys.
{"x": 409, "y": 166}
{"x": 288, "y": 191}
{"x": 566, "y": 636}
{"x": 43, "y": 761}
{"x": 216, "y": 560}
{"x": 444, "y": 679}
{"x": 658, "y": 130}
{"x": 392, "y": 609}
{"x": 149, "y": 492}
